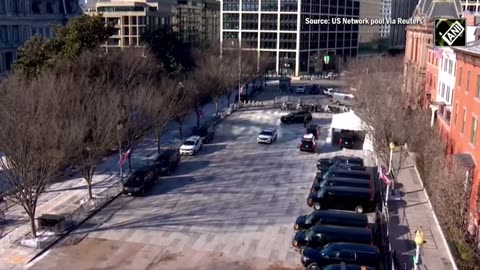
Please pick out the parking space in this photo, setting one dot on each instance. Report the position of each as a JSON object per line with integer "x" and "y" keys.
{"x": 235, "y": 198}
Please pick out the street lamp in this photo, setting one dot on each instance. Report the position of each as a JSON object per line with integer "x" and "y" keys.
{"x": 239, "y": 70}
{"x": 119, "y": 135}
{"x": 419, "y": 241}
{"x": 391, "y": 145}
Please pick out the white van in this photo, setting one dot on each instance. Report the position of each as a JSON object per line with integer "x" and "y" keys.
{"x": 342, "y": 99}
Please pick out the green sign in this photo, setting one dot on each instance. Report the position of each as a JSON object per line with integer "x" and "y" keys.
{"x": 326, "y": 59}
{"x": 450, "y": 32}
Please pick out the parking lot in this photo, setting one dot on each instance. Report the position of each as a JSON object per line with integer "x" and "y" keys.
{"x": 232, "y": 206}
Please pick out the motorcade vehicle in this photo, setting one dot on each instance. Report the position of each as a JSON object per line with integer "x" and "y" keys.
{"x": 320, "y": 235}
{"x": 191, "y": 146}
{"x": 342, "y": 98}
{"x": 359, "y": 200}
{"x": 296, "y": 117}
{"x": 331, "y": 217}
{"x": 206, "y": 132}
{"x": 308, "y": 143}
{"x": 341, "y": 252}
{"x": 167, "y": 161}
{"x": 325, "y": 163}
{"x": 343, "y": 266}
{"x": 342, "y": 182}
{"x": 342, "y": 166}
{"x": 141, "y": 180}
{"x": 345, "y": 174}
{"x": 267, "y": 135}
{"x": 300, "y": 90}
{"x": 313, "y": 129}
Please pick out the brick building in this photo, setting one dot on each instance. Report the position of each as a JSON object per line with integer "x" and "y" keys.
{"x": 431, "y": 74}
{"x": 419, "y": 37}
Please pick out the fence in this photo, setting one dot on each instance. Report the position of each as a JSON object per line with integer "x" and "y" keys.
{"x": 74, "y": 219}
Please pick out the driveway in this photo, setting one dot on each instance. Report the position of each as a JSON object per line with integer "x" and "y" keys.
{"x": 230, "y": 207}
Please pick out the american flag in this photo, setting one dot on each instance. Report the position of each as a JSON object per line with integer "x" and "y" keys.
{"x": 123, "y": 157}
{"x": 382, "y": 174}
{"x": 438, "y": 53}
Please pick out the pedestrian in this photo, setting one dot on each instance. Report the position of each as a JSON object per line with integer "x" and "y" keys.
{"x": 305, "y": 121}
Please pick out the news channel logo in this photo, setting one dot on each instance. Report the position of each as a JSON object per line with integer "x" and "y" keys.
{"x": 450, "y": 32}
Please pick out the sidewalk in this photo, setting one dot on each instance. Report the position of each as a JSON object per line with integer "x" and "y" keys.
{"x": 407, "y": 214}
{"x": 64, "y": 197}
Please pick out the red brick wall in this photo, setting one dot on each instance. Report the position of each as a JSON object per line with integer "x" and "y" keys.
{"x": 467, "y": 100}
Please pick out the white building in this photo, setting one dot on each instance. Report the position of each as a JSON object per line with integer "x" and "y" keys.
{"x": 279, "y": 30}
{"x": 446, "y": 77}
{"x": 21, "y": 19}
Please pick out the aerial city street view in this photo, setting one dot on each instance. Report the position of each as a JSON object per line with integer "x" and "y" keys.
{"x": 239, "y": 135}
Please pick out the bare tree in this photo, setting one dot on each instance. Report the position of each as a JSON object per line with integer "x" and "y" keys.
{"x": 380, "y": 103}
{"x": 186, "y": 91}
{"x": 39, "y": 135}
{"x": 98, "y": 101}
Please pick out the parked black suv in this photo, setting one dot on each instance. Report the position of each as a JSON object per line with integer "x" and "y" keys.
{"x": 167, "y": 161}
{"x": 342, "y": 182}
{"x": 320, "y": 235}
{"x": 140, "y": 180}
{"x": 336, "y": 253}
{"x": 331, "y": 217}
{"x": 207, "y": 133}
{"x": 325, "y": 163}
{"x": 343, "y": 266}
{"x": 345, "y": 167}
{"x": 343, "y": 198}
{"x": 296, "y": 117}
{"x": 344, "y": 174}
{"x": 314, "y": 90}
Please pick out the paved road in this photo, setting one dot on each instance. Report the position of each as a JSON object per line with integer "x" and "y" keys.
{"x": 231, "y": 207}
{"x": 235, "y": 197}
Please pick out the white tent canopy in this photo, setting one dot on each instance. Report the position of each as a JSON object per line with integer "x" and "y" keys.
{"x": 348, "y": 121}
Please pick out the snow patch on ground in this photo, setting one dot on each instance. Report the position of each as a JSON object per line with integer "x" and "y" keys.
{"x": 42, "y": 236}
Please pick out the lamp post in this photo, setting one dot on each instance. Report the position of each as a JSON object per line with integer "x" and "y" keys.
{"x": 119, "y": 135}
{"x": 239, "y": 70}
{"x": 419, "y": 241}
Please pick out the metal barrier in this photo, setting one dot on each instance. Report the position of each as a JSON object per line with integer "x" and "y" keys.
{"x": 77, "y": 217}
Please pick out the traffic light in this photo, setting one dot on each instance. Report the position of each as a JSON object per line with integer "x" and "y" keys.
{"x": 326, "y": 59}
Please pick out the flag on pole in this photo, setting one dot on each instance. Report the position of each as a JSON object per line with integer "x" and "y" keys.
{"x": 123, "y": 157}
{"x": 438, "y": 53}
{"x": 382, "y": 174}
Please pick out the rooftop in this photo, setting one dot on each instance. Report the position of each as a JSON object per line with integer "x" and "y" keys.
{"x": 470, "y": 48}
{"x": 438, "y": 8}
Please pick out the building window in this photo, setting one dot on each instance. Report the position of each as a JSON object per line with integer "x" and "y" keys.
{"x": 269, "y": 5}
{"x": 460, "y": 77}
{"x": 447, "y": 96}
{"x": 288, "y": 41}
{"x": 456, "y": 114}
{"x": 230, "y": 21}
{"x": 288, "y": 5}
{"x": 231, "y": 5}
{"x": 464, "y": 118}
{"x": 288, "y": 22}
{"x": 268, "y": 21}
{"x": 250, "y": 39}
{"x": 250, "y": 5}
{"x": 268, "y": 40}
{"x": 468, "y": 81}
{"x": 250, "y": 21}
{"x": 473, "y": 133}
{"x": 478, "y": 86}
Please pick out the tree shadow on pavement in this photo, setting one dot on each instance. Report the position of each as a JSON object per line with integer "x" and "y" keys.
{"x": 208, "y": 149}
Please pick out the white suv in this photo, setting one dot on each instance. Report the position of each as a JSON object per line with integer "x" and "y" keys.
{"x": 191, "y": 146}
{"x": 268, "y": 135}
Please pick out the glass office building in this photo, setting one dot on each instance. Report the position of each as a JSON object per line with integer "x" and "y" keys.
{"x": 278, "y": 29}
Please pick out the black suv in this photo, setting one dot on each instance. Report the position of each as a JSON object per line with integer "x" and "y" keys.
{"x": 342, "y": 182}
{"x": 329, "y": 217}
{"x": 140, "y": 180}
{"x": 344, "y": 174}
{"x": 206, "y": 132}
{"x": 167, "y": 161}
{"x": 325, "y": 163}
{"x": 296, "y": 117}
{"x": 313, "y": 129}
{"x": 335, "y": 253}
{"x": 343, "y": 198}
{"x": 320, "y": 235}
{"x": 343, "y": 266}
{"x": 314, "y": 90}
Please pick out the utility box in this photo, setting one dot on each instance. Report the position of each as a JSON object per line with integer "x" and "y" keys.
{"x": 48, "y": 221}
